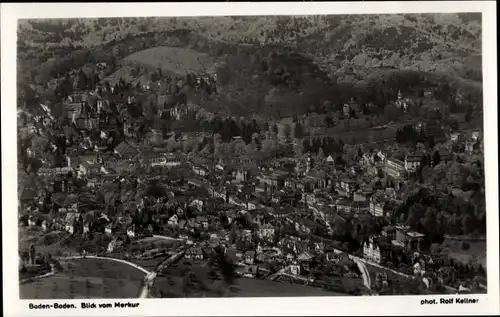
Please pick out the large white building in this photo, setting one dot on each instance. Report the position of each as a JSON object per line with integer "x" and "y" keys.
{"x": 371, "y": 251}
{"x": 167, "y": 160}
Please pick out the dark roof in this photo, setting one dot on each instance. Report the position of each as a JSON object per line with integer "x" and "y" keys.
{"x": 232, "y": 254}
{"x": 195, "y": 251}
{"x": 125, "y": 149}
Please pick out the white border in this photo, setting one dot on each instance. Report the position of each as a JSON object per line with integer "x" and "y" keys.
{"x": 393, "y": 305}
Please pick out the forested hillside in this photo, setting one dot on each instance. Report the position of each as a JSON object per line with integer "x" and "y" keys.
{"x": 278, "y": 65}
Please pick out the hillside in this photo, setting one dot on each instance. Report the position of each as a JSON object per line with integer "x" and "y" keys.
{"x": 257, "y": 56}
{"x": 446, "y": 42}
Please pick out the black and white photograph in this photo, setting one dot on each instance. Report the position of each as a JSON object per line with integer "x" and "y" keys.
{"x": 251, "y": 156}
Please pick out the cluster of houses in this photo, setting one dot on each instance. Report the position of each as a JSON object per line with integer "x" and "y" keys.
{"x": 310, "y": 197}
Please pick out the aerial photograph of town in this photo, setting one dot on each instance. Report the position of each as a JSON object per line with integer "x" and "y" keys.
{"x": 250, "y": 156}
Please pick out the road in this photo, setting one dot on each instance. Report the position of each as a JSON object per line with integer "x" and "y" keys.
{"x": 148, "y": 279}
{"x": 148, "y": 283}
{"x": 364, "y": 272}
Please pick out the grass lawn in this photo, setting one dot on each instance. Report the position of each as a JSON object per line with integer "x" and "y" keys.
{"x": 474, "y": 255}
{"x": 87, "y": 278}
{"x": 172, "y": 59}
{"x": 172, "y": 286}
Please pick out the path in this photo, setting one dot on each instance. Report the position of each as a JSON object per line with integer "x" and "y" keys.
{"x": 166, "y": 238}
{"x": 385, "y": 268}
{"x": 364, "y": 272}
{"x": 172, "y": 259}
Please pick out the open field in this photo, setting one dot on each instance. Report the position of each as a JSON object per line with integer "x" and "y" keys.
{"x": 475, "y": 254}
{"x": 86, "y": 278}
{"x": 243, "y": 287}
{"x": 172, "y": 285}
{"x": 171, "y": 59}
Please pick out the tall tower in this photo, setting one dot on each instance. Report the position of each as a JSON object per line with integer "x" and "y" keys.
{"x": 308, "y": 163}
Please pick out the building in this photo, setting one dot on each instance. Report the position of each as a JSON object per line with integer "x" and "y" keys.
{"x": 200, "y": 170}
{"x": 91, "y": 122}
{"x": 242, "y": 175}
{"x": 275, "y": 179}
{"x": 126, "y": 150}
{"x": 316, "y": 180}
{"x": 368, "y": 159}
{"x": 174, "y": 220}
{"x": 412, "y": 162}
{"x": 57, "y": 171}
{"x": 371, "y": 250}
{"x": 249, "y": 257}
{"x": 346, "y": 109}
{"x": 249, "y": 271}
{"x": 469, "y": 147}
{"x": 476, "y": 136}
{"x": 71, "y": 222}
{"x": 109, "y": 228}
{"x": 377, "y": 204}
{"x": 394, "y": 168}
{"x": 202, "y": 222}
{"x": 114, "y": 245}
{"x": 128, "y": 127}
{"x": 167, "y": 160}
{"x": 402, "y": 103}
{"x": 198, "y": 204}
{"x": 266, "y": 232}
{"x": 389, "y": 232}
{"x": 156, "y": 136}
{"x": 346, "y": 187}
{"x": 195, "y": 254}
{"x": 454, "y": 137}
{"x": 305, "y": 259}
{"x": 408, "y": 239}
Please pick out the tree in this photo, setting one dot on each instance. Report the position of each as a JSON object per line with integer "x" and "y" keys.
{"x": 429, "y": 222}
{"x": 415, "y": 213}
{"x": 82, "y": 80}
{"x": 468, "y": 114}
{"x": 299, "y": 149}
{"x": 286, "y": 131}
{"x": 329, "y": 121}
{"x": 298, "y": 132}
{"x": 321, "y": 154}
{"x": 436, "y": 158}
{"x": 275, "y": 129}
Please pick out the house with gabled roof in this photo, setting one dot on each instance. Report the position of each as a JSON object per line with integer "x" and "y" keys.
{"x": 109, "y": 228}
{"x": 305, "y": 259}
{"x": 71, "y": 222}
{"x": 202, "y": 221}
{"x": 126, "y": 150}
{"x": 115, "y": 244}
{"x": 195, "y": 254}
{"x": 131, "y": 231}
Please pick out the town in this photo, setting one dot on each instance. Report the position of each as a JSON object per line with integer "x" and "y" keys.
{"x": 140, "y": 171}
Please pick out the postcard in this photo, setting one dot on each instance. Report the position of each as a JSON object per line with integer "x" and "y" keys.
{"x": 249, "y": 159}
